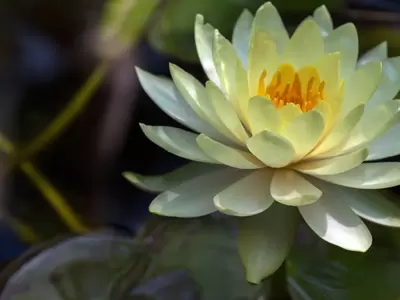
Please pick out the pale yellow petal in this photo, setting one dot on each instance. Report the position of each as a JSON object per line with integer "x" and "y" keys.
{"x": 241, "y": 35}
{"x": 341, "y": 130}
{"x": 289, "y": 112}
{"x": 361, "y": 85}
{"x": 344, "y": 39}
{"x": 227, "y": 155}
{"x": 387, "y": 145}
{"x": 263, "y": 115}
{"x": 248, "y": 196}
{"x": 262, "y": 56}
{"x": 334, "y": 165}
{"x": 204, "y": 40}
{"x": 323, "y": 18}
{"x": 304, "y": 132}
{"x": 378, "y": 53}
{"x": 268, "y": 19}
{"x": 328, "y": 68}
{"x": 368, "y": 176}
{"x": 176, "y": 141}
{"x": 226, "y": 113}
{"x": 290, "y": 188}
{"x": 272, "y": 149}
{"x": 306, "y": 46}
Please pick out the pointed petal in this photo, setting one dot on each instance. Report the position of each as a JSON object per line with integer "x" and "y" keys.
{"x": 273, "y": 150}
{"x": 389, "y": 84}
{"x": 241, "y": 35}
{"x": 323, "y": 18}
{"x": 329, "y": 71}
{"x": 161, "y": 183}
{"x": 334, "y": 165}
{"x": 176, "y": 141}
{"x": 373, "y": 124}
{"x": 361, "y": 86}
{"x": 263, "y": 115}
{"x": 194, "y": 198}
{"x": 263, "y": 55}
{"x": 387, "y": 145}
{"x": 227, "y": 155}
{"x": 204, "y": 39}
{"x": 265, "y": 240}
{"x": 378, "y": 53}
{"x": 336, "y": 223}
{"x": 165, "y": 95}
{"x": 306, "y": 46}
{"x": 305, "y": 132}
{"x": 248, "y": 196}
{"x": 290, "y": 188}
{"x": 368, "y": 176}
{"x": 344, "y": 39}
{"x": 268, "y": 19}
{"x": 226, "y": 113}
{"x": 339, "y": 132}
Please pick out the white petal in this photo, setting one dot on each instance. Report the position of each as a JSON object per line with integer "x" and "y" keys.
{"x": 304, "y": 132}
{"x": 306, "y": 46}
{"x": 273, "y": 150}
{"x": 165, "y": 95}
{"x": 176, "y": 141}
{"x": 265, "y": 240}
{"x": 387, "y": 145}
{"x": 248, "y": 196}
{"x": 290, "y": 188}
{"x": 204, "y": 38}
{"x": 161, "y": 183}
{"x": 336, "y": 223}
{"x": 268, "y": 19}
{"x": 389, "y": 84}
{"x": 227, "y": 155}
{"x": 344, "y": 39}
{"x": 334, "y": 165}
{"x": 378, "y": 53}
{"x": 194, "y": 197}
{"x": 323, "y": 18}
{"x": 241, "y": 35}
{"x": 368, "y": 176}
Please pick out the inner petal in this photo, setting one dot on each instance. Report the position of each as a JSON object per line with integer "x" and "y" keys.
{"x": 302, "y": 88}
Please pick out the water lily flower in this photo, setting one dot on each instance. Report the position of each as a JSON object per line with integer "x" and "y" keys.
{"x": 286, "y": 126}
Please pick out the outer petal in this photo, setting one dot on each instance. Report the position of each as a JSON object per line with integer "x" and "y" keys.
{"x": 389, "y": 85}
{"x": 249, "y": 196}
{"x": 290, "y": 188}
{"x": 306, "y": 46}
{"x": 344, "y": 39}
{"x": 265, "y": 240}
{"x": 372, "y": 125}
{"x": 263, "y": 115}
{"x": 204, "y": 40}
{"x": 387, "y": 145}
{"x": 374, "y": 206}
{"x": 378, "y": 53}
{"x": 241, "y": 35}
{"x": 360, "y": 86}
{"x": 336, "y": 223}
{"x": 194, "y": 197}
{"x": 304, "y": 132}
{"x": 176, "y": 141}
{"x": 165, "y": 95}
{"x": 161, "y": 183}
{"x": 368, "y": 176}
{"x": 227, "y": 155}
{"x": 273, "y": 150}
{"x": 268, "y": 19}
{"x": 323, "y": 18}
{"x": 334, "y": 165}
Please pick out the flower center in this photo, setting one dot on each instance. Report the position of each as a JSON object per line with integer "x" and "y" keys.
{"x": 302, "y": 88}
